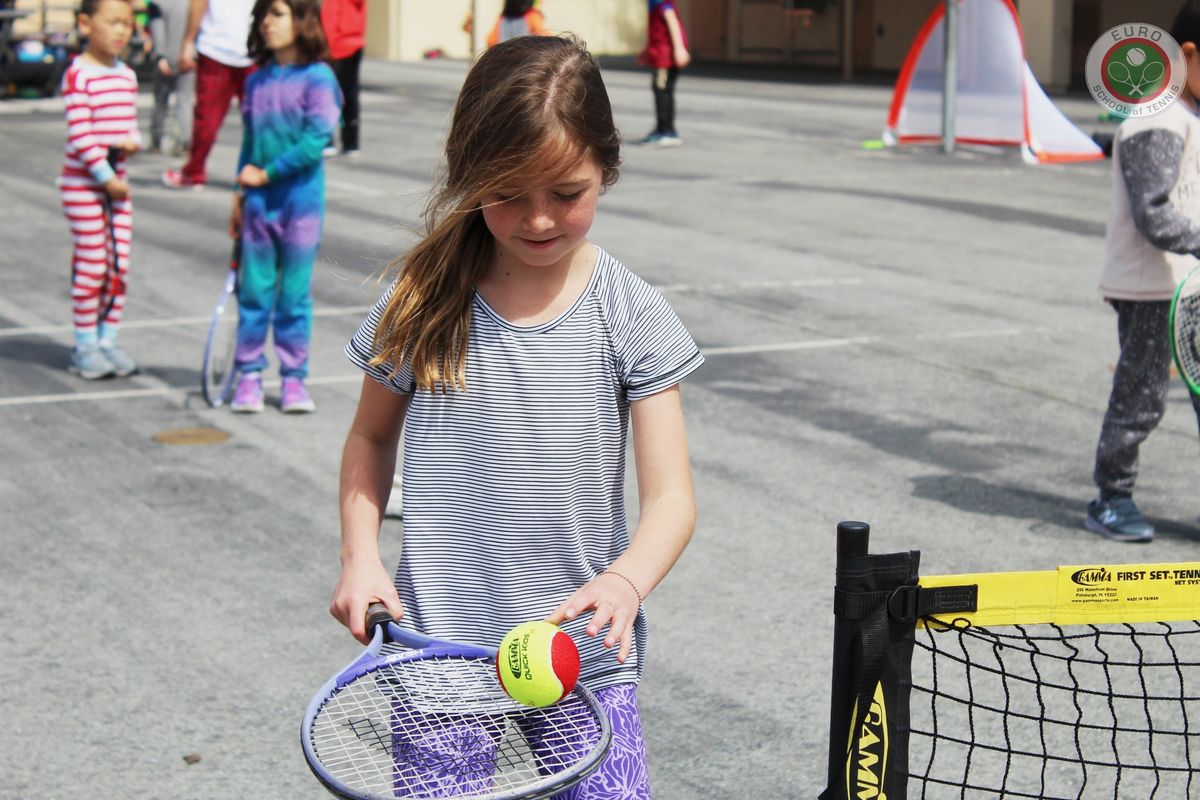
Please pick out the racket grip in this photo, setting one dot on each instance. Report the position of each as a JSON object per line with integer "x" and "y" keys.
{"x": 114, "y": 155}
{"x": 377, "y": 614}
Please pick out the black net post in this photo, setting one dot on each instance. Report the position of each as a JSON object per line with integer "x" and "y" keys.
{"x": 871, "y": 682}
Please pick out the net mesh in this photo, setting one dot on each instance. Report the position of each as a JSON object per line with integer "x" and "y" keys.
{"x": 1036, "y": 711}
{"x": 443, "y": 727}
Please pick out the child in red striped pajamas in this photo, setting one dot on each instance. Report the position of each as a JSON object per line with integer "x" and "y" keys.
{"x": 100, "y": 93}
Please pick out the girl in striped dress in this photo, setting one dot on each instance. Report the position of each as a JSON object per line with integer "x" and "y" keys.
{"x": 99, "y": 93}
{"x": 291, "y": 107}
{"x": 515, "y": 354}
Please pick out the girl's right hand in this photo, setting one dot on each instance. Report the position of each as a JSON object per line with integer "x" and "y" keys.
{"x": 235, "y": 217}
{"x": 359, "y": 585}
{"x": 116, "y": 188}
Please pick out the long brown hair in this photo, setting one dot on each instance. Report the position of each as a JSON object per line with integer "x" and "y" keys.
{"x": 530, "y": 108}
{"x": 306, "y": 24}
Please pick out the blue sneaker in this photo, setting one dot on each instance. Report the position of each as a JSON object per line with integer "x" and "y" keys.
{"x": 123, "y": 364}
{"x": 90, "y": 363}
{"x": 1119, "y": 519}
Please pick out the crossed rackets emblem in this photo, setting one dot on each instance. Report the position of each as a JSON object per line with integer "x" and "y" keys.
{"x": 1135, "y": 71}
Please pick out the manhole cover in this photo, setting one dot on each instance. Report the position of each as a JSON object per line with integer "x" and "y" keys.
{"x": 191, "y": 436}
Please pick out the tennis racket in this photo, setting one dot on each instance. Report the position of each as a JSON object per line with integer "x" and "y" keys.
{"x": 218, "y": 372}
{"x": 112, "y": 270}
{"x": 1185, "y": 330}
{"x": 419, "y": 717}
{"x": 1120, "y": 73}
{"x": 1151, "y": 75}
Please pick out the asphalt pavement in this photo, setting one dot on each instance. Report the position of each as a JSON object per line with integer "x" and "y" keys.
{"x": 894, "y": 336}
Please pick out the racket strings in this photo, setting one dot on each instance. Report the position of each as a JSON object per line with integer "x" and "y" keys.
{"x": 1187, "y": 330}
{"x": 442, "y": 727}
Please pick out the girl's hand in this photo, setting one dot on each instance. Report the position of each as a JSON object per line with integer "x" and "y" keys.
{"x": 164, "y": 67}
{"x": 235, "y": 217}
{"x": 682, "y": 57}
{"x": 128, "y": 146}
{"x": 252, "y": 177}
{"x": 116, "y": 188}
{"x": 187, "y": 56}
{"x": 359, "y": 585}
{"x": 616, "y": 605}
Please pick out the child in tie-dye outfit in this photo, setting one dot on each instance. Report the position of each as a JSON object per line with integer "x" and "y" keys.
{"x": 291, "y": 107}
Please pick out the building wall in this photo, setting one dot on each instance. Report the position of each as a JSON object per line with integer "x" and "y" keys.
{"x": 404, "y": 30}
{"x": 1057, "y": 32}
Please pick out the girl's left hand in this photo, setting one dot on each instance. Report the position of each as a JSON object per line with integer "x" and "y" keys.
{"x": 128, "y": 146}
{"x": 616, "y": 605}
{"x": 252, "y": 177}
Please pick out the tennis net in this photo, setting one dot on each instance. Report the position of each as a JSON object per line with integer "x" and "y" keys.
{"x": 1079, "y": 682}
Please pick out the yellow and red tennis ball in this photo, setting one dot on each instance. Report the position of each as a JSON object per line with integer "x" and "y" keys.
{"x": 537, "y": 664}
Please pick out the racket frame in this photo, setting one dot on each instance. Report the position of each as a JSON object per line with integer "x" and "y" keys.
{"x": 1193, "y": 383}
{"x": 216, "y": 396}
{"x": 112, "y": 269}
{"x": 428, "y": 647}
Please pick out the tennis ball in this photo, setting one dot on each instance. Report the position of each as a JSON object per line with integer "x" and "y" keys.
{"x": 1136, "y": 57}
{"x": 537, "y": 664}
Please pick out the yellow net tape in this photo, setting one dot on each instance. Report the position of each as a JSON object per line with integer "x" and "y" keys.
{"x": 1082, "y": 595}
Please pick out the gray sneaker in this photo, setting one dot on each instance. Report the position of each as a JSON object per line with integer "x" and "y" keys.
{"x": 1119, "y": 519}
{"x": 123, "y": 365}
{"x": 90, "y": 363}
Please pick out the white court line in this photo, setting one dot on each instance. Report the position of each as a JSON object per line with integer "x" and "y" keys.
{"x": 357, "y": 189}
{"x": 151, "y": 391}
{"x": 169, "y": 322}
{"x": 329, "y": 380}
{"x": 796, "y": 283}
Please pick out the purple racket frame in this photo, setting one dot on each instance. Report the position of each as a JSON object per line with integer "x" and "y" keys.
{"x": 423, "y": 647}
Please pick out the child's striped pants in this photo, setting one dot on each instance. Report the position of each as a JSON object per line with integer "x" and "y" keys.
{"x": 97, "y": 284}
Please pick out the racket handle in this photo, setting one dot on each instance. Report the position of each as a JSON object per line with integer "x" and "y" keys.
{"x": 377, "y": 614}
{"x": 114, "y": 154}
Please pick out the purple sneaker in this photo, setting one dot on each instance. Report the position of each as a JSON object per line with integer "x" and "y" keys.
{"x": 294, "y": 399}
{"x": 248, "y": 397}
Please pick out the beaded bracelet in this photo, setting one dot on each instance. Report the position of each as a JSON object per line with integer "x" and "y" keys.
{"x": 631, "y": 584}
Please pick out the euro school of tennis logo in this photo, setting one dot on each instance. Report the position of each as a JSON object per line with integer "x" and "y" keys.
{"x": 1135, "y": 70}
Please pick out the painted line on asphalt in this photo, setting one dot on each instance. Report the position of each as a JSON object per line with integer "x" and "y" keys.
{"x": 331, "y": 380}
{"x": 170, "y": 322}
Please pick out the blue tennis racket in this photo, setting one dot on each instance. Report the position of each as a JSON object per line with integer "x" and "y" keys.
{"x": 217, "y": 372}
{"x": 419, "y": 717}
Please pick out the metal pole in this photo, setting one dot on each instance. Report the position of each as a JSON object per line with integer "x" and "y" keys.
{"x": 848, "y": 40}
{"x": 949, "y": 75}
{"x": 478, "y": 26}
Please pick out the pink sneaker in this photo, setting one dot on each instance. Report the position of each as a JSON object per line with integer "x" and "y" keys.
{"x": 294, "y": 399}
{"x": 248, "y": 397}
{"x": 175, "y": 179}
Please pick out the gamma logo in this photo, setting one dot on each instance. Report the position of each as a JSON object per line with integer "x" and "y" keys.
{"x": 1135, "y": 70}
{"x": 1091, "y": 576}
{"x": 514, "y": 658}
{"x": 870, "y": 749}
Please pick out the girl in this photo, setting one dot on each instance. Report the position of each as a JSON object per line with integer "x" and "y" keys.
{"x": 99, "y": 93}
{"x": 519, "y": 18}
{"x": 291, "y": 107}
{"x": 665, "y": 53}
{"x": 514, "y": 353}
